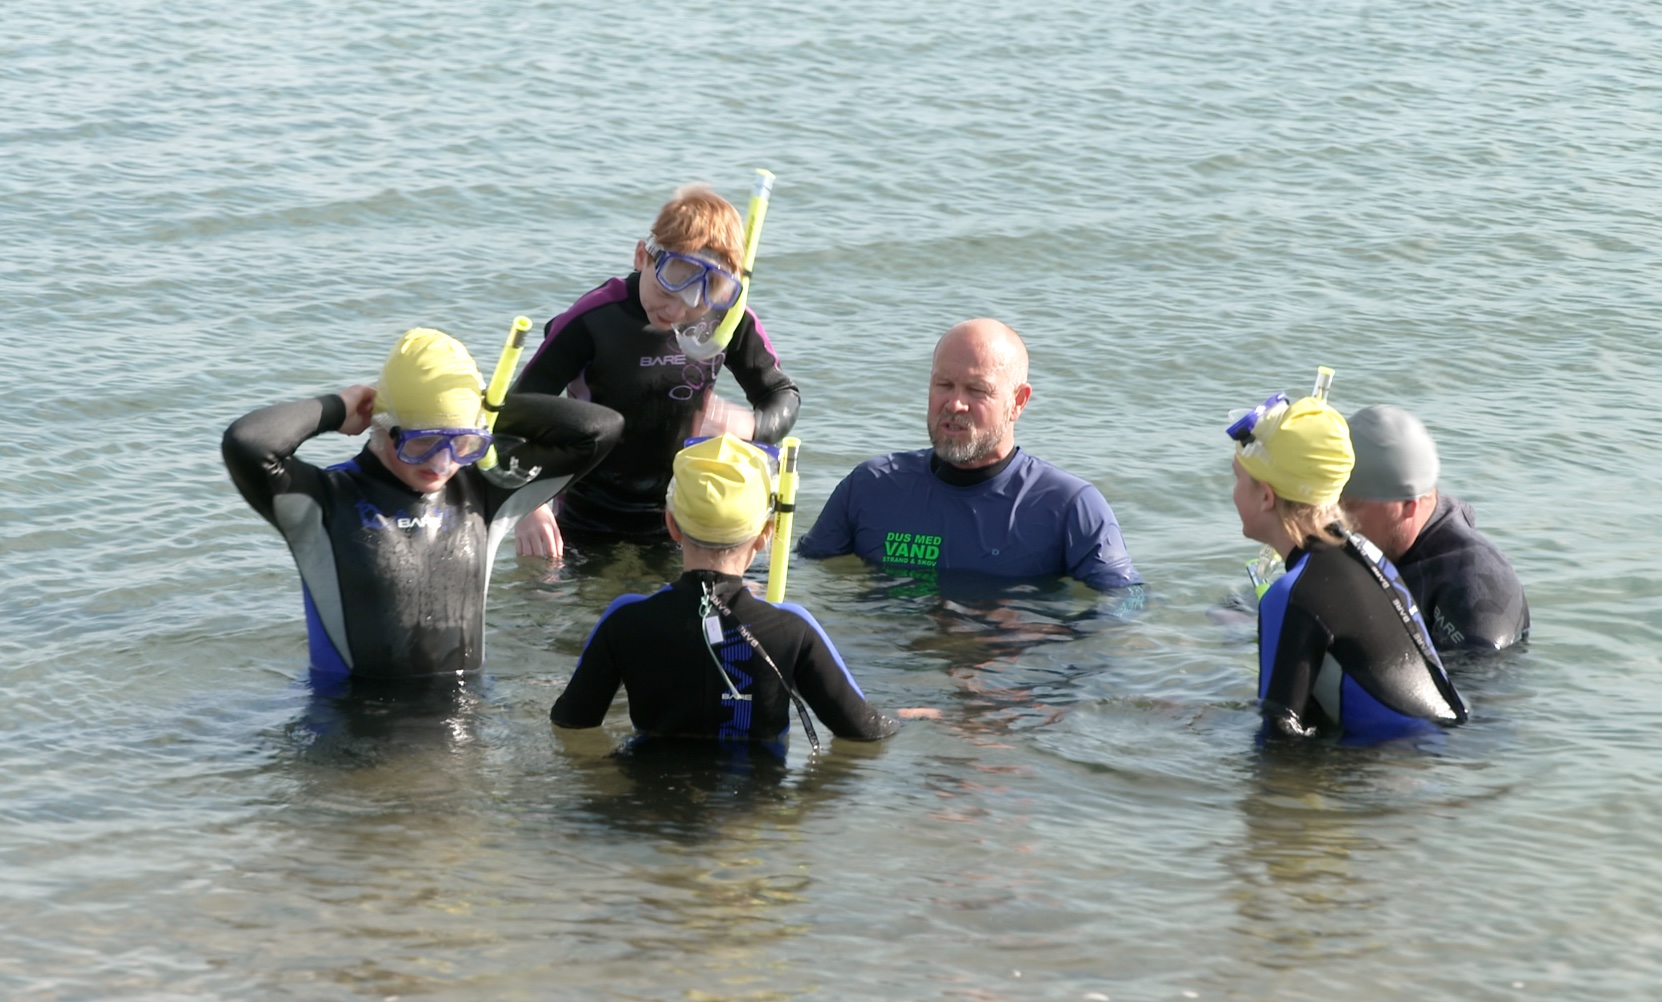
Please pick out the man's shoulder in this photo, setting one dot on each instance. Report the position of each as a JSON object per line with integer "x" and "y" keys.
{"x": 1033, "y": 467}
{"x": 1452, "y": 530}
{"x": 892, "y": 465}
{"x": 1452, "y": 558}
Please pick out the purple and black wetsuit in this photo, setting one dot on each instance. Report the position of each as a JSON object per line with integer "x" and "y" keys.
{"x": 602, "y": 350}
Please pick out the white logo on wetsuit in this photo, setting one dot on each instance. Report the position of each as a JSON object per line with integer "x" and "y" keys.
{"x": 371, "y": 517}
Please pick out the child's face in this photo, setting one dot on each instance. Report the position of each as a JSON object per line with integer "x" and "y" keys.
{"x": 1253, "y": 503}
{"x": 425, "y": 477}
{"x": 664, "y": 309}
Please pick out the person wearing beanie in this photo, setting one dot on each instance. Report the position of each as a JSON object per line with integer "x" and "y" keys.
{"x": 1342, "y": 650}
{"x": 395, "y": 546}
{"x": 1467, "y": 591}
{"x": 618, "y": 346}
{"x": 975, "y": 501}
{"x": 702, "y": 657}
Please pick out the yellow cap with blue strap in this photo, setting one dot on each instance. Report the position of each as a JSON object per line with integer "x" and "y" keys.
{"x": 1301, "y": 449}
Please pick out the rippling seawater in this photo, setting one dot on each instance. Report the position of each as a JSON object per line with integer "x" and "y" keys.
{"x": 1182, "y": 206}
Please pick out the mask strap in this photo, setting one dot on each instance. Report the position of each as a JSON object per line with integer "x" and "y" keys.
{"x": 750, "y": 638}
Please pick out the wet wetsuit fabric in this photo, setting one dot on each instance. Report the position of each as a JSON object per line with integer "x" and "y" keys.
{"x": 1469, "y": 594}
{"x": 601, "y": 350}
{"x": 1030, "y": 520}
{"x": 655, "y": 647}
{"x": 394, "y": 580}
{"x": 1335, "y": 656}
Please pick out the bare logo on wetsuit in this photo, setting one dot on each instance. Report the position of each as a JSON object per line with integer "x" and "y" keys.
{"x": 696, "y": 375}
{"x": 371, "y": 517}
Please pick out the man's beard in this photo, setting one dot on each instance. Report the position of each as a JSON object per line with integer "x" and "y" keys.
{"x": 980, "y": 445}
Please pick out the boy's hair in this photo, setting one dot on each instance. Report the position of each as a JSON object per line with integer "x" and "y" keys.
{"x": 697, "y": 219}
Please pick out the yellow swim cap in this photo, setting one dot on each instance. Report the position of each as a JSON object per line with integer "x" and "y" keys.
{"x": 430, "y": 381}
{"x": 722, "y": 491}
{"x": 1302, "y": 450}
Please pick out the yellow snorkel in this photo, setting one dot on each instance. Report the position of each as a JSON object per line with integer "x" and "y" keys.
{"x": 501, "y": 379}
{"x": 779, "y": 560}
{"x": 702, "y": 341}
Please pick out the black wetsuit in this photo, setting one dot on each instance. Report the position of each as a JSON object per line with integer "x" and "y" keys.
{"x": 1469, "y": 594}
{"x": 656, "y": 647}
{"x": 601, "y": 350}
{"x": 1336, "y": 655}
{"x": 394, "y": 580}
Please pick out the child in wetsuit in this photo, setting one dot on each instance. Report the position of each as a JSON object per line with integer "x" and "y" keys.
{"x": 617, "y": 346}
{"x": 702, "y": 657}
{"x": 1341, "y": 646}
{"x": 394, "y": 546}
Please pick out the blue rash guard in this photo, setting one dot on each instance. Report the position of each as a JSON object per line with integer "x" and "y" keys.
{"x": 1337, "y": 656}
{"x": 602, "y": 350}
{"x": 657, "y": 648}
{"x": 394, "y": 580}
{"x": 1029, "y": 520}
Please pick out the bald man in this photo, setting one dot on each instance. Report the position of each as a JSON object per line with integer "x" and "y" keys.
{"x": 974, "y": 501}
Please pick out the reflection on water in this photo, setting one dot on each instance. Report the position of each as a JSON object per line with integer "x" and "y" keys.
{"x": 719, "y": 867}
{"x": 1328, "y": 831}
{"x": 692, "y": 791}
{"x": 361, "y": 722}
{"x": 1305, "y": 887}
{"x": 1018, "y": 652}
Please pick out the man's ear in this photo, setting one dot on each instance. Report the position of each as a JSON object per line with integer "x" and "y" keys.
{"x": 674, "y": 530}
{"x": 1022, "y": 395}
{"x": 641, "y": 258}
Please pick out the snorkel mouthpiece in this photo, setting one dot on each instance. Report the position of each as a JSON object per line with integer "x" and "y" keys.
{"x": 699, "y": 342}
{"x": 1324, "y": 382}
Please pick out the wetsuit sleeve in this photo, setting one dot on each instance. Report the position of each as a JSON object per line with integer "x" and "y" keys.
{"x": 567, "y": 349}
{"x": 1482, "y": 614}
{"x": 566, "y": 437}
{"x": 594, "y": 683}
{"x": 259, "y": 449}
{"x": 825, "y": 683}
{"x": 1094, "y": 547}
{"x": 1292, "y": 644}
{"x": 773, "y": 396}
{"x": 833, "y": 532}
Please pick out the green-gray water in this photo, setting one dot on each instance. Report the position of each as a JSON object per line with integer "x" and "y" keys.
{"x": 1183, "y": 206}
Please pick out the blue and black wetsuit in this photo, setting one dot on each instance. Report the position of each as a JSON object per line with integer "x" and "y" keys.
{"x": 395, "y": 580}
{"x": 1337, "y": 655}
{"x": 1469, "y": 594}
{"x": 602, "y": 350}
{"x": 656, "y": 647}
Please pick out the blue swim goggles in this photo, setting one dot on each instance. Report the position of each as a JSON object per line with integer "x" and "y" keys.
{"x": 1241, "y": 429}
{"x": 418, "y": 445}
{"x": 693, "y": 278}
